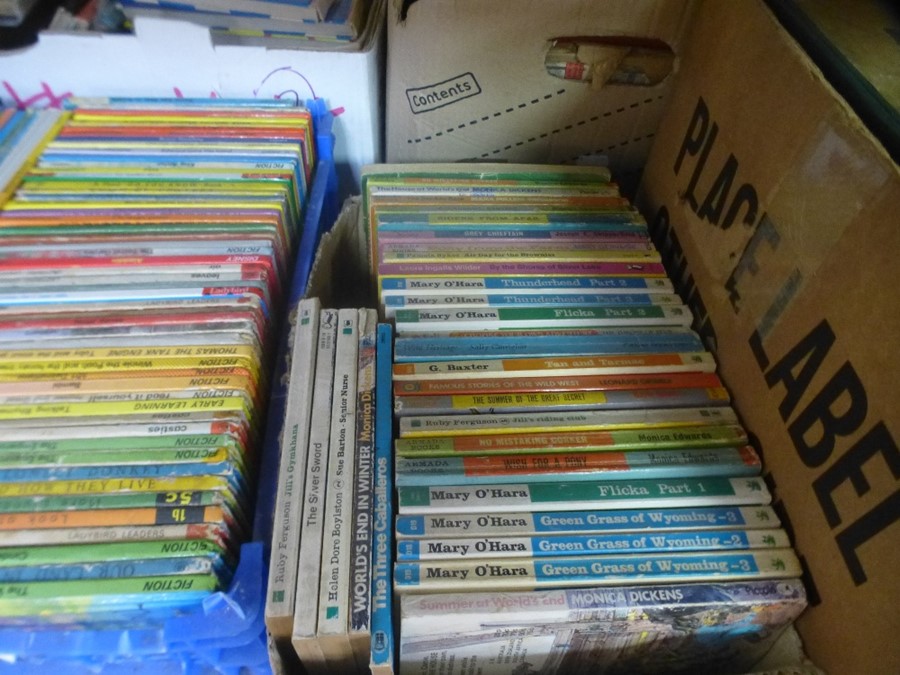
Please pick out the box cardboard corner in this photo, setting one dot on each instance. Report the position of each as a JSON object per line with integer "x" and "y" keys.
{"x": 777, "y": 213}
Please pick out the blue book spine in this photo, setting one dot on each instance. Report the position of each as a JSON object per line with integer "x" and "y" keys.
{"x": 525, "y": 573}
{"x": 588, "y": 544}
{"x": 580, "y": 522}
{"x": 442, "y": 285}
{"x": 124, "y": 473}
{"x": 604, "y": 222}
{"x": 696, "y": 565}
{"x": 36, "y": 474}
{"x": 541, "y": 299}
{"x": 434, "y": 471}
{"x": 436, "y": 348}
{"x": 382, "y": 649}
{"x": 118, "y": 569}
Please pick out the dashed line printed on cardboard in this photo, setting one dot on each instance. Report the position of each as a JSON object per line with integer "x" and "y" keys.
{"x": 580, "y": 123}
{"x": 533, "y": 139}
{"x": 486, "y": 118}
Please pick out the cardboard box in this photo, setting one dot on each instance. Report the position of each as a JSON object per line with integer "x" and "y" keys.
{"x": 855, "y": 45}
{"x": 173, "y": 58}
{"x": 777, "y": 211}
{"x": 467, "y": 80}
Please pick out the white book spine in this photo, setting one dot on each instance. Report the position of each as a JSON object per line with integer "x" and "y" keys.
{"x": 306, "y": 607}
{"x": 332, "y": 628}
{"x": 279, "y": 613}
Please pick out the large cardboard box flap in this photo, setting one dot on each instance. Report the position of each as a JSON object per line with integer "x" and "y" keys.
{"x": 469, "y": 80}
{"x": 778, "y": 214}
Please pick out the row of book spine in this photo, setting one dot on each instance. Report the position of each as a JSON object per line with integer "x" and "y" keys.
{"x": 573, "y": 485}
{"x": 332, "y": 503}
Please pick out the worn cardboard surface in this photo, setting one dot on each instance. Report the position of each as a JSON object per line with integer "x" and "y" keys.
{"x": 173, "y": 59}
{"x": 467, "y": 80}
{"x": 778, "y": 212}
{"x": 867, "y": 34}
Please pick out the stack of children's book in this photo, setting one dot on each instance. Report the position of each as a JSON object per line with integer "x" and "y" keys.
{"x": 575, "y": 491}
{"x": 145, "y": 248}
{"x": 290, "y": 24}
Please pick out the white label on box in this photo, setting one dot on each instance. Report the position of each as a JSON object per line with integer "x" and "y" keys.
{"x": 441, "y": 94}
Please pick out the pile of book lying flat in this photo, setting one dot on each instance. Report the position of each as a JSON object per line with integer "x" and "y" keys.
{"x": 575, "y": 491}
{"x": 289, "y": 24}
{"x": 145, "y": 248}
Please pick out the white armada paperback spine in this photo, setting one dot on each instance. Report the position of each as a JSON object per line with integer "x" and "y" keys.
{"x": 279, "y": 612}
{"x": 332, "y": 625}
{"x": 306, "y": 607}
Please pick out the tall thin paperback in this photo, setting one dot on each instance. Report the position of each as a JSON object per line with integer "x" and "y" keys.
{"x": 280, "y": 596}
{"x": 332, "y": 626}
{"x": 362, "y": 513}
{"x": 306, "y": 608}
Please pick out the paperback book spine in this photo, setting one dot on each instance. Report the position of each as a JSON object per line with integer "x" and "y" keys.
{"x": 548, "y": 422}
{"x": 332, "y": 625}
{"x": 412, "y": 550}
{"x": 361, "y": 546}
{"x": 135, "y": 567}
{"x": 519, "y": 284}
{"x": 503, "y": 469}
{"x": 584, "y": 316}
{"x": 595, "y": 629}
{"x": 660, "y": 438}
{"x": 553, "y": 401}
{"x": 553, "y": 384}
{"x": 513, "y": 268}
{"x": 586, "y": 522}
{"x": 580, "y": 496}
{"x": 394, "y": 303}
{"x": 580, "y": 571}
{"x": 281, "y": 591}
{"x": 625, "y": 364}
{"x": 497, "y": 345}
{"x": 306, "y": 607}
{"x": 381, "y": 660}
{"x": 426, "y": 616}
